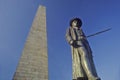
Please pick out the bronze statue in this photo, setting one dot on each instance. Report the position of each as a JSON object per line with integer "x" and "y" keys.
{"x": 82, "y": 59}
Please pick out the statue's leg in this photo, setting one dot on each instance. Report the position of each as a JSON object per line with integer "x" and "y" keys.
{"x": 74, "y": 75}
{"x": 86, "y": 63}
{"x": 76, "y": 65}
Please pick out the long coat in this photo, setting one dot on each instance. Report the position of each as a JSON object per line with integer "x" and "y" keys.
{"x": 79, "y": 40}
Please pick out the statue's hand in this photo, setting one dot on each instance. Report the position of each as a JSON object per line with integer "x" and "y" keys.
{"x": 82, "y": 37}
{"x": 74, "y": 44}
{"x": 77, "y": 44}
{"x": 71, "y": 42}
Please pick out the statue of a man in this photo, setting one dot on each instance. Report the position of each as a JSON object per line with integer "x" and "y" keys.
{"x": 82, "y": 59}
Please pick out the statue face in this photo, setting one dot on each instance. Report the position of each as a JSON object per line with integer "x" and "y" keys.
{"x": 75, "y": 23}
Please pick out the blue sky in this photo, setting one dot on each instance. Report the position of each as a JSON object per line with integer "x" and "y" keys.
{"x": 16, "y": 18}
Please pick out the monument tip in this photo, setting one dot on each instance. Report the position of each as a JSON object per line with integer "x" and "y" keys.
{"x": 42, "y": 6}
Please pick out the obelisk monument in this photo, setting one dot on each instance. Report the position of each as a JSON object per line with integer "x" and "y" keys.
{"x": 33, "y": 64}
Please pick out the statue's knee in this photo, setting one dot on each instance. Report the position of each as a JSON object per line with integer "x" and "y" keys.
{"x": 85, "y": 55}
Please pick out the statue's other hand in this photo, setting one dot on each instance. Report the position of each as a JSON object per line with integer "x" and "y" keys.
{"x": 71, "y": 42}
{"x": 74, "y": 44}
{"x": 82, "y": 37}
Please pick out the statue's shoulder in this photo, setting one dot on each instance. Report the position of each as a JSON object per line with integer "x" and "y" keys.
{"x": 69, "y": 28}
{"x": 68, "y": 31}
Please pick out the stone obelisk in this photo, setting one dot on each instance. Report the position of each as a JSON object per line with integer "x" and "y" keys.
{"x": 33, "y": 64}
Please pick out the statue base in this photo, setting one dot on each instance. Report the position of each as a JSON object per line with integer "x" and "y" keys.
{"x": 85, "y": 78}
{"x": 81, "y": 78}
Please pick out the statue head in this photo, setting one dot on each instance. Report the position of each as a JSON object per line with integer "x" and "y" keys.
{"x": 76, "y": 22}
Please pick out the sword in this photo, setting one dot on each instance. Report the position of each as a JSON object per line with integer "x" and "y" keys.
{"x": 98, "y": 32}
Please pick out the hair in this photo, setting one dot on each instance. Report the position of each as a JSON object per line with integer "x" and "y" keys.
{"x": 76, "y": 19}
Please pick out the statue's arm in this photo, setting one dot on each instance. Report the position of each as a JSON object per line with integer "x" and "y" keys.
{"x": 69, "y": 37}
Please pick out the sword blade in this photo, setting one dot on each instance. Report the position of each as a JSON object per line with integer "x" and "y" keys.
{"x": 99, "y": 32}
